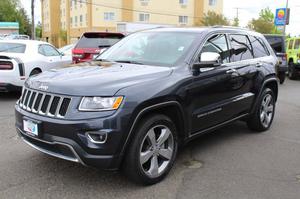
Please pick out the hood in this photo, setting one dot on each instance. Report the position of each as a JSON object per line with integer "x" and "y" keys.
{"x": 95, "y": 78}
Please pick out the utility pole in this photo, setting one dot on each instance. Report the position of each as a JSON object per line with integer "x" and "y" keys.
{"x": 237, "y": 12}
{"x": 286, "y": 10}
{"x": 32, "y": 20}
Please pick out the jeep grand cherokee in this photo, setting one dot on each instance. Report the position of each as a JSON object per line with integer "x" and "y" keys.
{"x": 138, "y": 101}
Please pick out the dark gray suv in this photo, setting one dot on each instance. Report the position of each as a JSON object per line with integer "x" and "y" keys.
{"x": 151, "y": 92}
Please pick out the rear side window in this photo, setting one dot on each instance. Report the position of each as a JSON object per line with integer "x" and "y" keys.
{"x": 297, "y": 44}
{"x": 12, "y": 48}
{"x": 276, "y": 42}
{"x": 241, "y": 48}
{"x": 291, "y": 42}
{"x": 98, "y": 40}
{"x": 259, "y": 48}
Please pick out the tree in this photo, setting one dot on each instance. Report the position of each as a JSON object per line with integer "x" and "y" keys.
{"x": 38, "y": 31}
{"x": 265, "y": 22}
{"x": 236, "y": 22}
{"x": 32, "y": 20}
{"x": 11, "y": 11}
{"x": 212, "y": 18}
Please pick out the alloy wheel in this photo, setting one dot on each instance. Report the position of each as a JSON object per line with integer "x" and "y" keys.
{"x": 156, "y": 151}
{"x": 267, "y": 110}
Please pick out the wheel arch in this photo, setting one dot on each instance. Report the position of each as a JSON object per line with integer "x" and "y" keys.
{"x": 271, "y": 83}
{"x": 171, "y": 109}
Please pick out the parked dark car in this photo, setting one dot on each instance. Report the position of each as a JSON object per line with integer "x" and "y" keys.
{"x": 146, "y": 95}
{"x": 91, "y": 43}
{"x": 277, "y": 42}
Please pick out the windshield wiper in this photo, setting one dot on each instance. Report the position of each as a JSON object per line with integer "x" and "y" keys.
{"x": 129, "y": 62}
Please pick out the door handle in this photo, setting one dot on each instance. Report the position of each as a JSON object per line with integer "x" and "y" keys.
{"x": 258, "y": 65}
{"x": 230, "y": 71}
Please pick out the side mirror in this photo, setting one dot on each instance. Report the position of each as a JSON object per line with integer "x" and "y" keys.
{"x": 62, "y": 54}
{"x": 207, "y": 60}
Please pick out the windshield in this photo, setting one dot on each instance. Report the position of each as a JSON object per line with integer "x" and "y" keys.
{"x": 151, "y": 48}
{"x": 12, "y": 47}
{"x": 98, "y": 40}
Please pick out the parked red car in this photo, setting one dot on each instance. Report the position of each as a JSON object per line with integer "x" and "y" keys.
{"x": 91, "y": 43}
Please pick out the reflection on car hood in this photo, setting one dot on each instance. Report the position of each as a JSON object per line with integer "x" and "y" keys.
{"x": 95, "y": 78}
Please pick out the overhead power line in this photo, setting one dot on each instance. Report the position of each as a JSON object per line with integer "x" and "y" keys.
{"x": 133, "y": 10}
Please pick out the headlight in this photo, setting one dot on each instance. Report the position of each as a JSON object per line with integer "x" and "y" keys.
{"x": 100, "y": 103}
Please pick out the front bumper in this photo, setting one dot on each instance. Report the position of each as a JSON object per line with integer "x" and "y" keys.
{"x": 67, "y": 140}
{"x": 4, "y": 87}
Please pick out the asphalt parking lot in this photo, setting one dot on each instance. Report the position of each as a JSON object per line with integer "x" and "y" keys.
{"x": 229, "y": 163}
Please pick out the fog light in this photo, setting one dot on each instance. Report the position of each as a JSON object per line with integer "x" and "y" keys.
{"x": 97, "y": 137}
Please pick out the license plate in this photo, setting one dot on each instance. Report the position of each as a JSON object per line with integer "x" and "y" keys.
{"x": 30, "y": 127}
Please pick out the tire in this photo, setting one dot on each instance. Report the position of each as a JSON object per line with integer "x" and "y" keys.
{"x": 35, "y": 72}
{"x": 281, "y": 76}
{"x": 291, "y": 72}
{"x": 263, "y": 115}
{"x": 142, "y": 168}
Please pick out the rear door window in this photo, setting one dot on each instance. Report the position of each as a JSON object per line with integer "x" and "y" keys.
{"x": 259, "y": 48}
{"x": 98, "y": 40}
{"x": 241, "y": 48}
{"x": 297, "y": 44}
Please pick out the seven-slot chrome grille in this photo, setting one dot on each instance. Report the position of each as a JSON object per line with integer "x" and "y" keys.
{"x": 44, "y": 103}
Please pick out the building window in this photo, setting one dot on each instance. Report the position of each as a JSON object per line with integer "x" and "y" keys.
{"x": 183, "y": 2}
{"x": 80, "y": 18}
{"x": 144, "y": 17}
{"x": 144, "y": 2}
{"x": 183, "y": 19}
{"x": 212, "y": 2}
{"x": 109, "y": 16}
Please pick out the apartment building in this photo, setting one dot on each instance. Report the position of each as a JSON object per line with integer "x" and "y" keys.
{"x": 65, "y": 20}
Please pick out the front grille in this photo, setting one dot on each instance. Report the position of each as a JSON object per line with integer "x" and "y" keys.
{"x": 44, "y": 103}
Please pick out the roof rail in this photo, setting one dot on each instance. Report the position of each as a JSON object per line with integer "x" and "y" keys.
{"x": 232, "y": 27}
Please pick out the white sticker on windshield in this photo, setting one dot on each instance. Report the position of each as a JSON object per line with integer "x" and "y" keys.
{"x": 181, "y": 48}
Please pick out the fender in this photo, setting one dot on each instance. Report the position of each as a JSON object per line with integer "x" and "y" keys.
{"x": 145, "y": 110}
{"x": 271, "y": 79}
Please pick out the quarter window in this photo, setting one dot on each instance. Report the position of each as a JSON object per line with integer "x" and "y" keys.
{"x": 217, "y": 44}
{"x": 259, "y": 49}
{"x": 241, "y": 48}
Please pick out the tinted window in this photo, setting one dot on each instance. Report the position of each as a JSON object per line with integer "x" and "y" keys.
{"x": 291, "y": 44}
{"x": 297, "y": 44}
{"x": 48, "y": 50}
{"x": 241, "y": 48}
{"x": 276, "y": 42}
{"x": 98, "y": 40}
{"x": 217, "y": 44}
{"x": 12, "y": 47}
{"x": 259, "y": 49}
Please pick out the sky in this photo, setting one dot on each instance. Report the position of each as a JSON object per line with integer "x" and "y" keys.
{"x": 248, "y": 9}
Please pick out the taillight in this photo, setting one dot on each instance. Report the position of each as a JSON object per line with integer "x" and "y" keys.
{"x": 6, "y": 65}
{"x": 284, "y": 57}
{"x": 78, "y": 53}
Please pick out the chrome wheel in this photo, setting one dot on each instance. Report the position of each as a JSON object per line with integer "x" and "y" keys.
{"x": 156, "y": 151}
{"x": 266, "y": 110}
